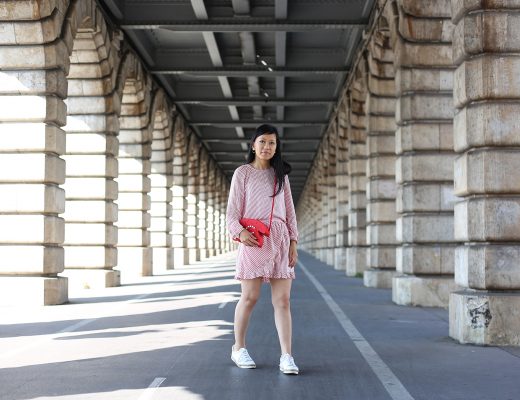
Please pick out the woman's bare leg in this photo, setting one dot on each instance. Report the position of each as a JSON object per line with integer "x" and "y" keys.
{"x": 281, "y": 296}
{"x": 248, "y": 298}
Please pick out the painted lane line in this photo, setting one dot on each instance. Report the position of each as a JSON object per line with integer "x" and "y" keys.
{"x": 391, "y": 383}
{"x": 150, "y": 390}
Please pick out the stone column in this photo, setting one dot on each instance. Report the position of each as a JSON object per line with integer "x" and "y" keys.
{"x": 217, "y": 233}
{"x": 228, "y": 246}
{"x": 424, "y": 168}
{"x": 179, "y": 192}
{"x": 323, "y": 207}
{"x": 331, "y": 189}
{"x": 91, "y": 164}
{"x": 135, "y": 147}
{"x": 356, "y": 252}
{"x": 202, "y": 205}
{"x": 192, "y": 201}
{"x": 210, "y": 211}
{"x": 161, "y": 178}
{"x": 32, "y": 113}
{"x": 486, "y": 49}
{"x": 342, "y": 191}
{"x": 381, "y": 187}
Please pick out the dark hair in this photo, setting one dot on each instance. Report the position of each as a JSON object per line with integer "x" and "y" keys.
{"x": 281, "y": 167}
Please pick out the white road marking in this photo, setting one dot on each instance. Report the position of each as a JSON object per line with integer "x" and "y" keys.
{"x": 222, "y": 305}
{"x": 392, "y": 384}
{"x": 150, "y": 390}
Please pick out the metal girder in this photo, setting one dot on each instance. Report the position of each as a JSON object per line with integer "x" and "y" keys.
{"x": 254, "y": 123}
{"x": 251, "y": 101}
{"x": 241, "y": 152}
{"x": 246, "y": 140}
{"x": 243, "y": 24}
{"x": 248, "y": 71}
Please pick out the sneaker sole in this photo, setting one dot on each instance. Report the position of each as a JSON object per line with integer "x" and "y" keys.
{"x": 289, "y": 371}
{"x": 243, "y": 366}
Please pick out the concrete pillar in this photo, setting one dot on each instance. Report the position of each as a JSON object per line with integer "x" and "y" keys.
{"x": 486, "y": 50}
{"x": 340, "y": 252}
{"x": 424, "y": 145}
{"x": 91, "y": 164}
{"x": 179, "y": 192}
{"x": 32, "y": 112}
{"x": 135, "y": 256}
{"x": 356, "y": 252}
{"x": 381, "y": 187}
{"x": 161, "y": 196}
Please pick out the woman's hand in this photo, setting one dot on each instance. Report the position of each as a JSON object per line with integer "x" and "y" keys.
{"x": 248, "y": 238}
{"x": 293, "y": 254}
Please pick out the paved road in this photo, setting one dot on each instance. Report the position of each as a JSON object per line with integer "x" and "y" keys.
{"x": 169, "y": 337}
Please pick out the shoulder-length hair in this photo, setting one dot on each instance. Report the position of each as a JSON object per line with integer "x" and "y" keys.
{"x": 281, "y": 167}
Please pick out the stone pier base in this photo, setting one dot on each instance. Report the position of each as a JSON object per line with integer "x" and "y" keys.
{"x": 340, "y": 258}
{"x": 330, "y": 256}
{"x": 356, "y": 260}
{"x": 193, "y": 256}
{"x": 181, "y": 257}
{"x": 92, "y": 278}
{"x": 379, "y": 278}
{"x": 135, "y": 261}
{"x": 486, "y": 318}
{"x": 33, "y": 291}
{"x": 162, "y": 260}
{"x": 426, "y": 291}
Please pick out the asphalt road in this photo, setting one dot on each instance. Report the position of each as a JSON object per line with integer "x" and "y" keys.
{"x": 169, "y": 337}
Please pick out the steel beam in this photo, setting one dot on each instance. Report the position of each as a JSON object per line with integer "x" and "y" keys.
{"x": 243, "y": 24}
{"x": 255, "y": 123}
{"x": 251, "y": 101}
{"x": 238, "y": 72}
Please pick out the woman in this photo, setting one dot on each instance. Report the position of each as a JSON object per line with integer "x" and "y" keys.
{"x": 251, "y": 196}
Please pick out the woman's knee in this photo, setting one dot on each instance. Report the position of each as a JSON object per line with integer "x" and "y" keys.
{"x": 281, "y": 302}
{"x": 249, "y": 299}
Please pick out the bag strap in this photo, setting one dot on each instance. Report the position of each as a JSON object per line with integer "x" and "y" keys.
{"x": 272, "y": 207}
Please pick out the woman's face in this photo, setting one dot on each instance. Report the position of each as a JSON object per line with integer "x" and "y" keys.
{"x": 265, "y": 146}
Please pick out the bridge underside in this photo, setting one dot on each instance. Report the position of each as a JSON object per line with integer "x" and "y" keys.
{"x": 121, "y": 126}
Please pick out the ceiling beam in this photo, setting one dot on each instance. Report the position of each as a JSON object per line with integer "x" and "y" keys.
{"x": 255, "y": 123}
{"x": 241, "y": 152}
{"x": 243, "y": 24}
{"x": 248, "y": 71}
{"x": 250, "y": 101}
{"x": 246, "y": 140}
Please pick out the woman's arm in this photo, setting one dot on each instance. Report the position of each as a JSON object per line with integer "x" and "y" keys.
{"x": 290, "y": 213}
{"x": 235, "y": 205}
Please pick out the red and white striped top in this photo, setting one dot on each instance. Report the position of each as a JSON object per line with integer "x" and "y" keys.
{"x": 249, "y": 197}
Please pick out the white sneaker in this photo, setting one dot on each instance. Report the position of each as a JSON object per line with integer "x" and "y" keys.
{"x": 287, "y": 365}
{"x": 242, "y": 358}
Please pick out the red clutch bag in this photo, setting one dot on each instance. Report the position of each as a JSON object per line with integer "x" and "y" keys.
{"x": 257, "y": 227}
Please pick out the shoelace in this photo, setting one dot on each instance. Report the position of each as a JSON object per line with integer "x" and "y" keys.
{"x": 288, "y": 361}
{"x": 244, "y": 357}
